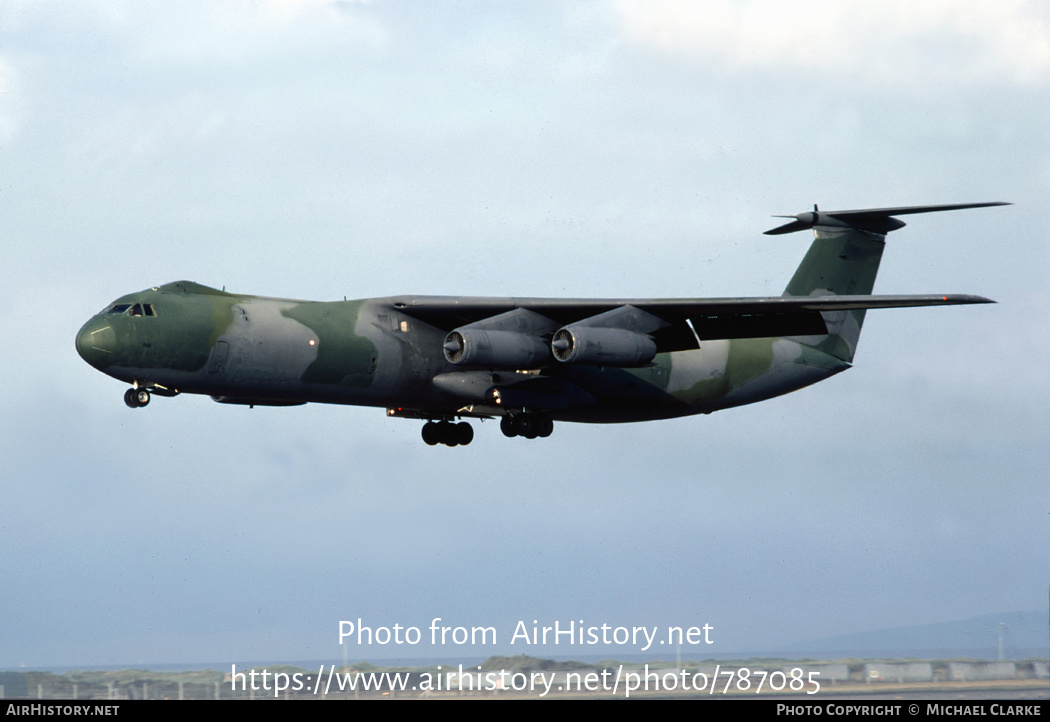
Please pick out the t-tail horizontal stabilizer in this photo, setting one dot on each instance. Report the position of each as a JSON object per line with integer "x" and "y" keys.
{"x": 873, "y": 220}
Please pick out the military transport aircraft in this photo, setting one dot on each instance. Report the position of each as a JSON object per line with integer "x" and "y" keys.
{"x": 527, "y": 361}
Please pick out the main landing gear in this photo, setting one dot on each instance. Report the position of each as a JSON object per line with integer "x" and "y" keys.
{"x": 136, "y": 398}
{"x": 526, "y": 424}
{"x": 447, "y": 433}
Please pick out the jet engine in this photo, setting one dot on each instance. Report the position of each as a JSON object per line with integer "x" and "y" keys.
{"x": 495, "y": 349}
{"x": 602, "y": 346}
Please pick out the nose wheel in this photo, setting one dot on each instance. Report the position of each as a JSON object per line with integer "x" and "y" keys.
{"x": 136, "y": 398}
{"x": 447, "y": 433}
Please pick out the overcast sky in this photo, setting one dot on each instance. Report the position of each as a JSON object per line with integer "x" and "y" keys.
{"x": 322, "y": 149}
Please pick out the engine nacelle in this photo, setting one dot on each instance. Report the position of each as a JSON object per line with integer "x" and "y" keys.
{"x": 495, "y": 349}
{"x": 602, "y": 346}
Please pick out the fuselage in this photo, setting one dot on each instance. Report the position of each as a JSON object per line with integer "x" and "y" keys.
{"x": 186, "y": 338}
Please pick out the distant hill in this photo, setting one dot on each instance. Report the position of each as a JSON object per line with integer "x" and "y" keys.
{"x": 1026, "y": 634}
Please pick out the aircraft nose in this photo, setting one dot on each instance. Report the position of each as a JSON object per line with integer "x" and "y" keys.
{"x": 96, "y": 342}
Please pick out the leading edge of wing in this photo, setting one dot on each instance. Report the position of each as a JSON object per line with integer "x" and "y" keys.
{"x": 686, "y": 319}
{"x": 845, "y": 303}
{"x": 448, "y": 312}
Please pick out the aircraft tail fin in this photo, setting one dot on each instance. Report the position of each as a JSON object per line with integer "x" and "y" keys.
{"x": 844, "y": 260}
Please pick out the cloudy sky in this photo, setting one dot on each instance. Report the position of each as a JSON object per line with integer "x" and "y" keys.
{"x": 315, "y": 149}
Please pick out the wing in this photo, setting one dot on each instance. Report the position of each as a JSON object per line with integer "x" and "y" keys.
{"x": 672, "y": 324}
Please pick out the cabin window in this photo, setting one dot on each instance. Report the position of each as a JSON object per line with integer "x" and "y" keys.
{"x": 119, "y": 308}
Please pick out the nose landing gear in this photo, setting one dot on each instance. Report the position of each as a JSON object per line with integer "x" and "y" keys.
{"x": 136, "y": 398}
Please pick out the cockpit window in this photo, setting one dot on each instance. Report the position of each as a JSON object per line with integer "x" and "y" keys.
{"x": 139, "y": 309}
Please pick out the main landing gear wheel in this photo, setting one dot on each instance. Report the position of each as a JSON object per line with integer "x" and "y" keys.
{"x": 136, "y": 398}
{"x": 447, "y": 433}
{"x": 526, "y": 424}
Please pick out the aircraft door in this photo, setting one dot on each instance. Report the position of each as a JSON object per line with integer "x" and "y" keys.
{"x": 218, "y": 357}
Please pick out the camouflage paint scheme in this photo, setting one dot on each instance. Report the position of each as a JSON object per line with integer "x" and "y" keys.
{"x": 394, "y": 352}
